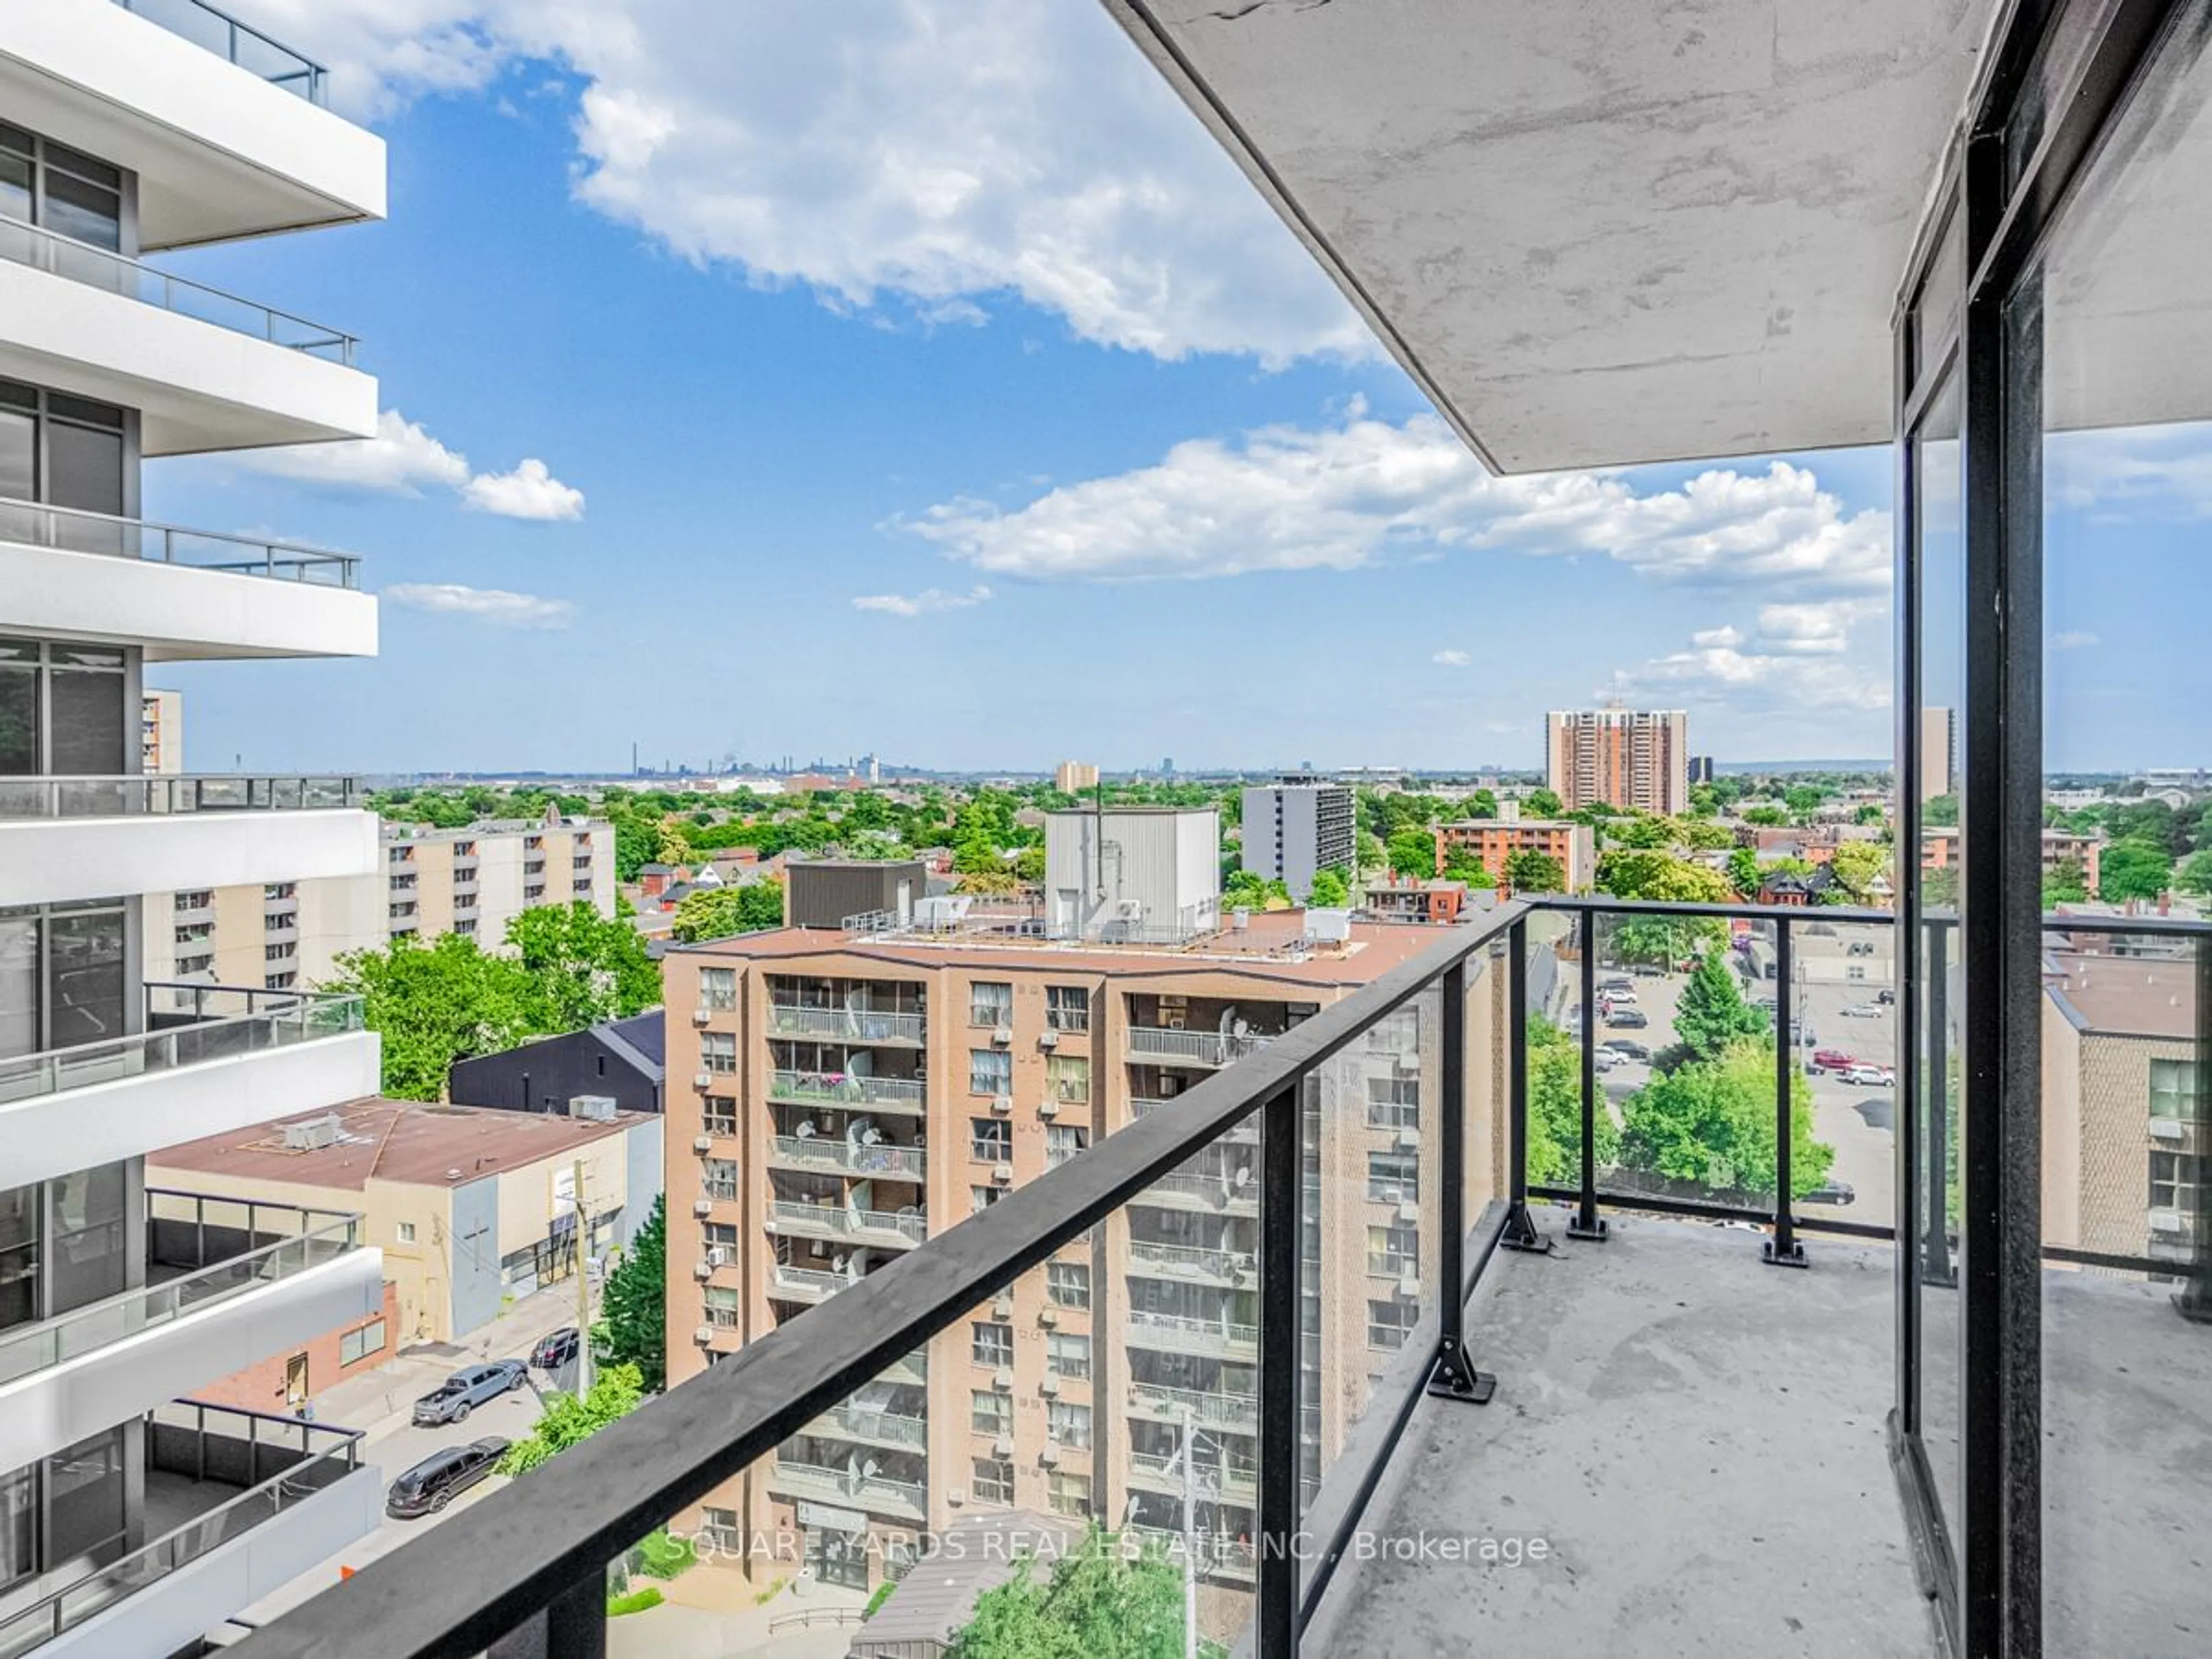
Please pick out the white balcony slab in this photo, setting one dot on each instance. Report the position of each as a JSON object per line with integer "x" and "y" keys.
{"x": 58, "y": 861}
{"x": 49, "y": 1409}
{"x": 175, "y": 1610}
{"x": 176, "y": 612}
{"x": 221, "y": 152}
{"x": 197, "y": 385}
{"x": 49, "y": 1135}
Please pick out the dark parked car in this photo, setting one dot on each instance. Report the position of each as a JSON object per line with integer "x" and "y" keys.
{"x": 1833, "y": 1192}
{"x": 1887, "y": 997}
{"x": 1628, "y": 1019}
{"x": 1628, "y": 1049}
{"x": 432, "y": 1483}
{"x": 452, "y": 1401}
{"x": 555, "y": 1349}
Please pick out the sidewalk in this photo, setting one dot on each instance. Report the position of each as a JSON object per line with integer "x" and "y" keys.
{"x": 379, "y": 1401}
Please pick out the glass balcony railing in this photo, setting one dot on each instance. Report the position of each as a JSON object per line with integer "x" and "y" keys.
{"x": 191, "y": 1025}
{"x": 267, "y": 1465}
{"x": 208, "y": 1250}
{"x": 40, "y": 249}
{"x": 220, "y": 32}
{"x": 849, "y": 1088}
{"x": 73, "y": 530}
{"x": 133, "y": 794}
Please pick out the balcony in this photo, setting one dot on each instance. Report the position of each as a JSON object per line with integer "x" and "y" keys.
{"x": 73, "y": 575}
{"x": 235, "y": 1501}
{"x": 205, "y": 369}
{"x": 1192, "y": 1190}
{"x": 64, "y": 839}
{"x": 1183, "y": 1333}
{"x": 849, "y": 1088}
{"x": 1243, "y": 1134}
{"x": 1236, "y": 1413}
{"x": 901, "y": 1500}
{"x": 228, "y": 1283}
{"x": 877, "y": 1427}
{"x": 1161, "y": 1046}
{"x": 1229, "y": 1268}
{"x": 882, "y": 1159}
{"x": 807, "y": 1284}
{"x": 225, "y": 127}
{"x": 856, "y": 1026}
{"x": 897, "y": 1230}
{"x": 1162, "y": 1473}
{"x": 212, "y": 1059}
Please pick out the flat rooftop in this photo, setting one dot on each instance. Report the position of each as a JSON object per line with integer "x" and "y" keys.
{"x": 1263, "y": 948}
{"x": 405, "y": 1141}
{"x": 2126, "y": 996}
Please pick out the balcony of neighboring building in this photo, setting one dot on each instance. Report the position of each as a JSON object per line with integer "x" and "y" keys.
{"x": 203, "y": 1060}
{"x": 228, "y": 1282}
{"x": 228, "y": 129}
{"x": 846, "y": 1142}
{"x": 877, "y": 1480}
{"x": 67, "y": 838}
{"x": 805, "y": 1074}
{"x": 234, "y": 1504}
{"x": 1199, "y": 1032}
{"x": 856, "y": 1012}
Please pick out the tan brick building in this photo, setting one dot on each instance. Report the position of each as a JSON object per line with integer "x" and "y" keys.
{"x": 1491, "y": 842}
{"x": 833, "y": 1100}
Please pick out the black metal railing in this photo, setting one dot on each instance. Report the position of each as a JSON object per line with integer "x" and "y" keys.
{"x": 532, "y": 1563}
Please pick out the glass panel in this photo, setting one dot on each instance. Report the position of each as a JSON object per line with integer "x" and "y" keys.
{"x": 2127, "y": 1032}
{"x": 84, "y": 968}
{"x": 83, "y": 211}
{"x": 18, "y": 462}
{"x": 1845, "y": 987}
{"x": 18, "y": 980}
{"x": 90, "y": 735}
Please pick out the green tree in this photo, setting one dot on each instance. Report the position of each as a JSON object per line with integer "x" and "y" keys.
{"x": 633, "y": 1327}
{"x": 1414, "y": 852}
{"x": 718, "y": 912}
{"x": 1531, "y": 871}
{"x": 1858, "y": 865}
{"x": 1645, "y": 830}
{"x": 1743, "y": 872}
{"x": 2066, "y": 883}
{"x": 1710, "y": 1013}
{"x": 1097, "y": 1603}
{"x": 1331, "y": 890}
{"x": 585, "y": 967}
{"x": 1482, "y": 803}
{"x": 1661, "y": 941}
{"x": 1700, "y": 836}
{"x": 1543, "y": 803}
{"x": 1709, "y": 1126}
{"x": 567, "y": 1421}
{"x": 1940, "y": 811}
{"x": 1471, "y": 869}
{"x": 2134, "y": 869}
{"x": 2194, "y": 874}
{"x": 1555, "y": 1110}
{"x": 1766, "y": 817}
{"x": 436, "y": 1004}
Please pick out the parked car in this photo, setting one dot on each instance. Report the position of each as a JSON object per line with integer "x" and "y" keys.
{"x": 1887, "y": 997}
{"x": 1871, "y": 1076}
{"x": 555, "y": 1349}
{"x": 1863, "y": 1011}
{"x": 452, "y": 1401}
{"x": 1628, "y": 1019}
{"x": 1618, "y": 983}
{"x": 1832, "y": 1060}
{"x": 1627, "y": 1048}
{"x": 1832, "y": 1192}
{"x": 1605, "y": 1059}
{"x": 433, "y": 1483}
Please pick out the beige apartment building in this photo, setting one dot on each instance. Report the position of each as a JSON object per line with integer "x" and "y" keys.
{"x": 836, "y": 1098}
{"x": 2126, "y": 1100}
{"x": 1623, "y": 757}
{"x": 473, "y": 880}
{"x": 1075, "y": 777}
{"x": 162, "y": 732}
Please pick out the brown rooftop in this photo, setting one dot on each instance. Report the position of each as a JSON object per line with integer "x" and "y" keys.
{"x": 402, "y": 1141}
{"x": 1259, "y": 948}
{"x": 2133, "y": 996}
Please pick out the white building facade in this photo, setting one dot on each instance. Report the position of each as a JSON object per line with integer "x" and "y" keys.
{"x": 119, "y": 139}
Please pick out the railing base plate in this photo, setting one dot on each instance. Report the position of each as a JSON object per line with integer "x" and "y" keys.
{"x": 1520, "y": 1231}
{"x": 1596, "y": 1230}
{"x": 1453, "y": 1378}
{"x": 1792, "y": 1257}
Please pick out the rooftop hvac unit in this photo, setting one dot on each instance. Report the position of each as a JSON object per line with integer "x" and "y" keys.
{"x": 312, "y": 1135}
{"x": 718, "y": 1255}
{"x": 597, "y": 1108}
{"x": 1328, "y": 927}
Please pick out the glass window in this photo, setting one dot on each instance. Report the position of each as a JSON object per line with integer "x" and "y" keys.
{"x": 1389, "y": 1322}
{"x": 1067, "y": 1007}
{"x": 1068, "y": 1353}
{"x": 85, "y": 1496}
{"x": 19, "y": 1524}
{"x": 2177, "y": 1090}
{"x": 88, "y": 736}
{"x": 1069, "y": 1423}
{"x": 19, "y": 1303}
{"x": 719, "y": 1114}
{"x": 718, "y": 988}
{"x": 1394, "y": 1252}
{"x": 19, "y": 978}
{"x": 990, "y": 1140}
{"x": 1393, "y": 1103}
{"x": 1063, "y": 1142}
{"x": 981, "y": 1198}
{"x": 84, "y": 977}
{"x": 992, "y": 1343}
{"x": 1393, "y": 1177}
{"x": 404, "y": 1231}
{"x": 990, "y": 1071}
{"x": 1068, "y": 1283}
{"x": 1069, "y": 1494}
{"x": 356, "y": 1346}
{"x": 1067, "y": 1079}
{"x": 994, "y": 1481}
{"x": 991, "y": 1004}
{"x": 990, "y": 1412}
{"x": 718, "y": 1051}
{"x": 2173, "y": 1178}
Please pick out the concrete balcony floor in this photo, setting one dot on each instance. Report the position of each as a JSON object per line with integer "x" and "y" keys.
{"x": 1699, "y": 1438}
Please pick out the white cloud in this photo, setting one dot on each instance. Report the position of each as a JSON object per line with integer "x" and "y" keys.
{"x": 528, "y": 492}
{"x": 1453, "y": 659}
{"x": 2073, "y": 640}
{"x": 944, "y": 152}
{"x": 1288, "y": 498}
{"x": 403, "y": 458}
{"x": 924, "y": 604}
{"x": 1721, "y": 668}
{"x": 489, "y": 604}
{"x": 400, "y": 459}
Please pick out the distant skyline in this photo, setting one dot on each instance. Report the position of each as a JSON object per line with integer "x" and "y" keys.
{"x": 760, "y": 379}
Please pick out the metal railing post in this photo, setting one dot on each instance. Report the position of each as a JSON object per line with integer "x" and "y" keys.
{"x": 2193, "y": 1302}
{"x": 1520, "y": 1230}
{"x": 1783, "y": 1249}
{"x": 1453, "y": 1376}
{"x": 1588, "y": 1223}
{"x": 1281, "y": 1197}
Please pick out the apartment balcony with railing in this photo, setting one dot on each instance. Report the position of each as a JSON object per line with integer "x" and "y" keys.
{"x": 848, "y": 1090}
{"x": 855, "y": 1026}
{"x": 893, "y": 1230}
{"x": 207, "y": 1059}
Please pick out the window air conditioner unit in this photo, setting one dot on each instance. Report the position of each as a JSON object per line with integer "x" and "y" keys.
{"x": 1048, "y": 1037}
{"x": 2166, "y": 1221}
{"x": 1048, "y": 1316}
{"x": 1049, "y": 1387}
{"x": 1050, "y": 1455}
{"x": 1409, "y": 1286}
{"x": 1003, "y": 1036}
{"x": 2166, "y": 1128}
{"x": 702, "y": 1207}
{"x": 718, "y": 1255}
{"x": 1408, "y": 1211}
{"x": 701, "y": 1269}
{"x": 956, "y": 1496}
{"x": 1003, "y": 1379}
{"x": 1409, "y": 1139}
{"x": 702, "y": 1080}
{"x": 703, "y": 1335}
{"x": 1003, "y": 1446}
{"x": 1004, "y": 1307}
{"x": 702, "y": 1143}
{"x": 700, "y": 1016}
{"x": 1048, "y": 1107}
{"x": 1003, "y": 1174}
{"x": 1002, "y": 1104}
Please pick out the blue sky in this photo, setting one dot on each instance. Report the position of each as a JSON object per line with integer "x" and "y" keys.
{"x": 852, "y": 401}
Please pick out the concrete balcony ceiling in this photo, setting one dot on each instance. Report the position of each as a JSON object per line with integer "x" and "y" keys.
{"x": 1598, "y": 234}
{"x": 221, "y": 151}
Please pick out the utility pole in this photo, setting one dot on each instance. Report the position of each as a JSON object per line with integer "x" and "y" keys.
{"x": 583, "y": 1289}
